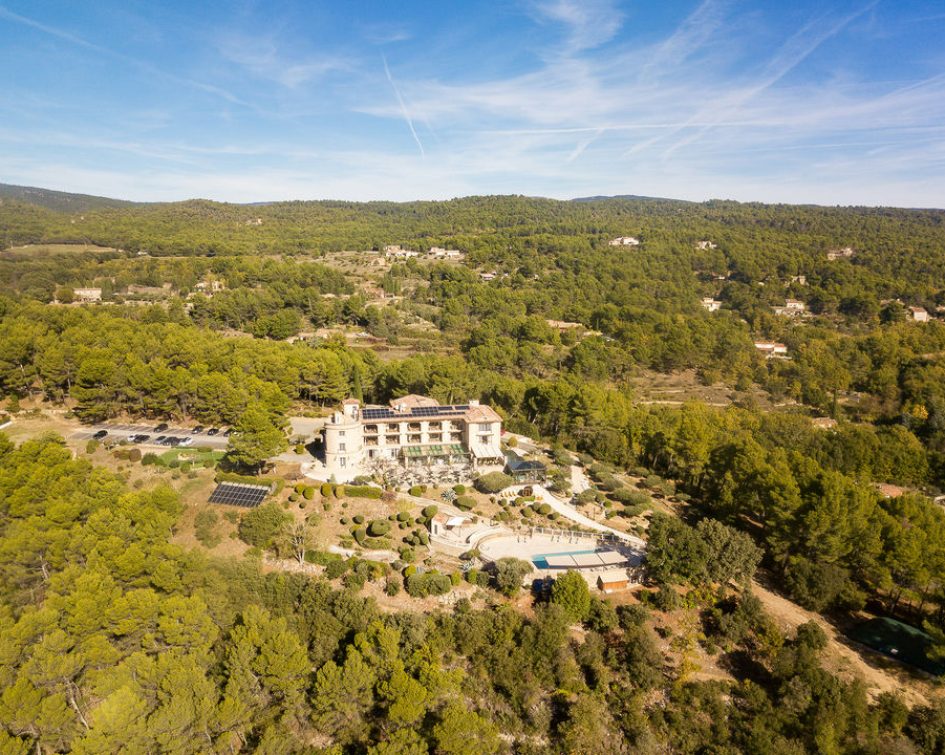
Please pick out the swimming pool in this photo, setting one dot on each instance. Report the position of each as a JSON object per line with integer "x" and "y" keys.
{"x": 540, "y": 559}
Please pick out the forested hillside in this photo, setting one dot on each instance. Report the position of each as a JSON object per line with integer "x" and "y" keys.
{"x": 114, "y": 640}
{"x": 821, "y": 467}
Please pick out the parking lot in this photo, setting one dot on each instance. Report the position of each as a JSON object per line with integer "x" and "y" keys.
{"x": 120, "y": 432}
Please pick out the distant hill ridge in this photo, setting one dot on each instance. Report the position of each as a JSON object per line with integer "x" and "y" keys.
{"x": 61, "y": 201}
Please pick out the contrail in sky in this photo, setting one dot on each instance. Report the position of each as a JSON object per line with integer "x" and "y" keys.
{"x": 403, "y": 107}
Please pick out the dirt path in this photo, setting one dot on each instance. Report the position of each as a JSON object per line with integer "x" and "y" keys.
{"x": 579, "y": 480}
{"x": 877, "y": 672}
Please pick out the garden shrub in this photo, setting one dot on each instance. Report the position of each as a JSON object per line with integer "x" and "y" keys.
{"x": 494, "y": 482}
{"x": 363, "y": 491}
{"x": 430, "y": 583}
{"x": 326, "y": 489}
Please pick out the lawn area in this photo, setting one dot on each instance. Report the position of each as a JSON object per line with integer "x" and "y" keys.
{"x": 193, "y": 455}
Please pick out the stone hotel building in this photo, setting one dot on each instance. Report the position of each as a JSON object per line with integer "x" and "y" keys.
{"x": 413, "y": 431}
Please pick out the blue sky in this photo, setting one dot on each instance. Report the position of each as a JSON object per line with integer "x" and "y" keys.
{"x": 804, "y": 101}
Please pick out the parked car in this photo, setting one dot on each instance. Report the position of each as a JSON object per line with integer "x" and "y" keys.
{"x": 100, "y": 434}
{"x": 213, "y": 431}
{"x": 142, "y": 438}
{"x": 161, "y": 428}
{"x": 160, "y": 439}
{"x": 228, "y": 432}
{"x": 174, "y": 441}
{"x": 197, "y": 430}
{"x": 186, "y": 442}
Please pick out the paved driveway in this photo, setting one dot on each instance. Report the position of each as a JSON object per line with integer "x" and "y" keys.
{"x": 569, "y": 512}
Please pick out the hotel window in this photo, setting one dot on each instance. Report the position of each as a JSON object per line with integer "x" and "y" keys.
{"x": 341, "y": 433}
{"x": 341, "y": 461}
{"x": 341, "y": 447}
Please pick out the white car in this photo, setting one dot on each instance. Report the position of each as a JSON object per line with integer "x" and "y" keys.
{"x": 186, "y": 441}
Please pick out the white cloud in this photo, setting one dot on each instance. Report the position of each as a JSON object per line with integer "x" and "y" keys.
{"x": 588, "y": 23}
{"x": 264, "y": 57}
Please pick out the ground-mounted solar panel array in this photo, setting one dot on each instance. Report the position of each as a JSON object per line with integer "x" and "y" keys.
{"x": 239, "y": 494}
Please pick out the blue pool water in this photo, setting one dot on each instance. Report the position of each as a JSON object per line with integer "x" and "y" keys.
{"x": 540, "y": 559}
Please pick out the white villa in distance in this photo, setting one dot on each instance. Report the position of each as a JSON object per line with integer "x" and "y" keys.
{"x": 791, "y": 308}
{"x": 703, "y": 245}
{"x": 87, "y": 294}
{"x": 414, "y": 432}
{"x": 772, "y": 349}
{"x": 625, "y": 241}
{"x": 710, "y": 304}
{"x": 919, "y": 314}
{"x": 439, "y": 253}
{"x": 847, "y": 253}
{"x": 397, "y": 252}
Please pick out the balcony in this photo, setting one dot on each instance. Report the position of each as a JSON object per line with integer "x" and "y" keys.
{"x": 393, "y": 440}
{"x": 370, "y": 429}
{"x": 369, "y": 442}
{"x": 413, "y": 438}
{"x": 413, "y": 427}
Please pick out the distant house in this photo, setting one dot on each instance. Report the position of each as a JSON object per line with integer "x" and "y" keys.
{"x": 613, "y": 580}
{"x": 772, "y": 349}
{"x": 919, "y": 314}
{"x": 439, "y": 253}
{"x": 711, "y": 305}
{"x": 824, "y": 423}
{"x": 396, "y": 252}
{"x": 706, "y": 245}
{"x": 522, "y": 470}
{"x": 254, "y": 221}
{"x": 791, "y": 308}
{"x": 487, "y": 276}
{"x": 841, "y": 254}
{"x": 87, "y": 294}
{"x": 800, "y": 280}
{"x": 625, "y": 241}
{"x": 210, "y": 286}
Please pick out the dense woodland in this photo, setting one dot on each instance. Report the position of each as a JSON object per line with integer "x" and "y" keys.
{"x": 114, "y": 639}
